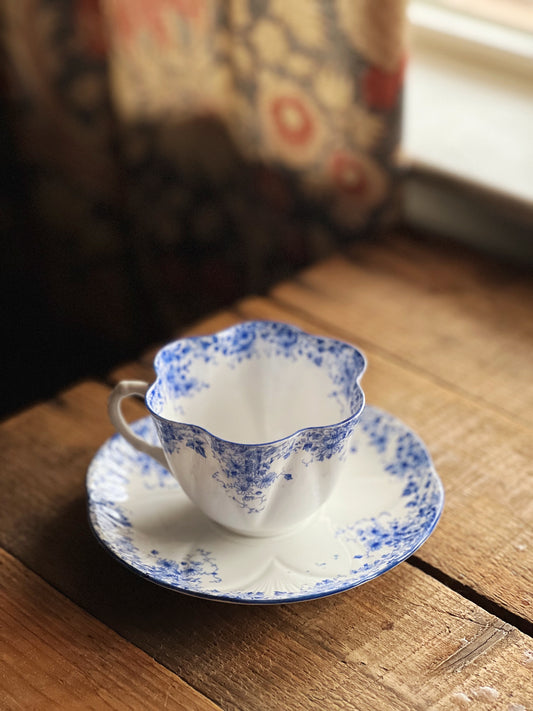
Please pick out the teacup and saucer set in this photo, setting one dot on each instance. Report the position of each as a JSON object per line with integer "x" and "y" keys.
{"x": 260, "y": 475}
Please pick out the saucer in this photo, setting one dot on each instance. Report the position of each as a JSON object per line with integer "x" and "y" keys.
{"x": 386, "y": 504}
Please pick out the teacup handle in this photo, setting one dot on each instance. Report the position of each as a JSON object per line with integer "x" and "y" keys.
{"x": 127, "y": 388}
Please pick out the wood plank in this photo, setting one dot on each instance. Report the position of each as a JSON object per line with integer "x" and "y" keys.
{"x": 393, "y": 643}
{"x": 464, "y": 320}
{"x": 55, "y": 655}
{"x": 142, "y": 368}
{"x": 485, "y": 461}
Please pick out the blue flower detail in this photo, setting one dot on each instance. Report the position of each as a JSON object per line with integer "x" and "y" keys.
{"x": 372, "y": 544}
{"x": 246, "y": 472}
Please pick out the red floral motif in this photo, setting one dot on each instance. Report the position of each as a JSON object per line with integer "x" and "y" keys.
{"x": 381, "y": 89}
{"x": 348, "y": 173}
{"x": 292, "y": 120}
{"x": 90, "y": 26}
{"x": 134, "y": 16}
{"x": 359, "y": 185}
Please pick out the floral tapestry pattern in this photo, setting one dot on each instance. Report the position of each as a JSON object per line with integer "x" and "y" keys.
{"x": 183, "y": 152}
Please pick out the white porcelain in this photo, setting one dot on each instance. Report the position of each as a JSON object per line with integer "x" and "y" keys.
{"x": 253, "y": 422}
{"x": 387, "y": 502}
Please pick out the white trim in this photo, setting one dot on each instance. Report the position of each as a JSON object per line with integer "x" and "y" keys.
{"x": 468, "y": 112}
{"x": 460, "y": 32}
{"x": 469, "y": 119}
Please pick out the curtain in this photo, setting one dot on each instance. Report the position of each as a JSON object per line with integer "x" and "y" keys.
{"x": 176, "y": 154}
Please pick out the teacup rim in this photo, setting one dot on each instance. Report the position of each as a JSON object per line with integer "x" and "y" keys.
{"x": 353, "y": 416}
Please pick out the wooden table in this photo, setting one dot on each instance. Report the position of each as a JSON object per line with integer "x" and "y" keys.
{"x": 449, "y": 340}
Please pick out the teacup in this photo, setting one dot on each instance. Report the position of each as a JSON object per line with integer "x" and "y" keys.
{"x": 254, "y": 422}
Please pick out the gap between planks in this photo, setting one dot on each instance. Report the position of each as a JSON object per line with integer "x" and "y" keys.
{"x": 466, "y": 591}
{"x": 518, "y": 602}
{"x": 465, "y": 319}
{"x": 403, "y": 363}
{"x": 260, "y": 307}
{"x": 230, "y": 316}
{"x": 56, "y": 653}
{"x": 384, "y": 640}
{"x": 238, "y": 313}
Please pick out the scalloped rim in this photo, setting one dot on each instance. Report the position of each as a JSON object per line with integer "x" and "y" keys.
{"x": 354, "y": 416}
{"x": 108, "y": 544}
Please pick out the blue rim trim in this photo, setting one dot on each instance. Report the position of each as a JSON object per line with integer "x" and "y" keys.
{"x": 335, "y": 588}
{"x": 354, "y": 416}
{"x": 277, "y": 600}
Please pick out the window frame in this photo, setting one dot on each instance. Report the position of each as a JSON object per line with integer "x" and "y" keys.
{"x": 487, "y": 63}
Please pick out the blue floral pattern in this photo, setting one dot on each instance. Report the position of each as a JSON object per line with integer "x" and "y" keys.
{"x": 176, "y": 364}
{"x": 246, "y": 471}
{"x": 354, "y": 548}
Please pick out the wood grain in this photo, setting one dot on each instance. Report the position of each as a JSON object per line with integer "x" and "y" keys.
{"x": 383, "y": 645}
{"x": 441, "y": 311}
{"x": 484, "y": 458}
{"x": 465, "y": 655}
{"x": 55, "y": 655}
{"x": 484, "y": 539}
